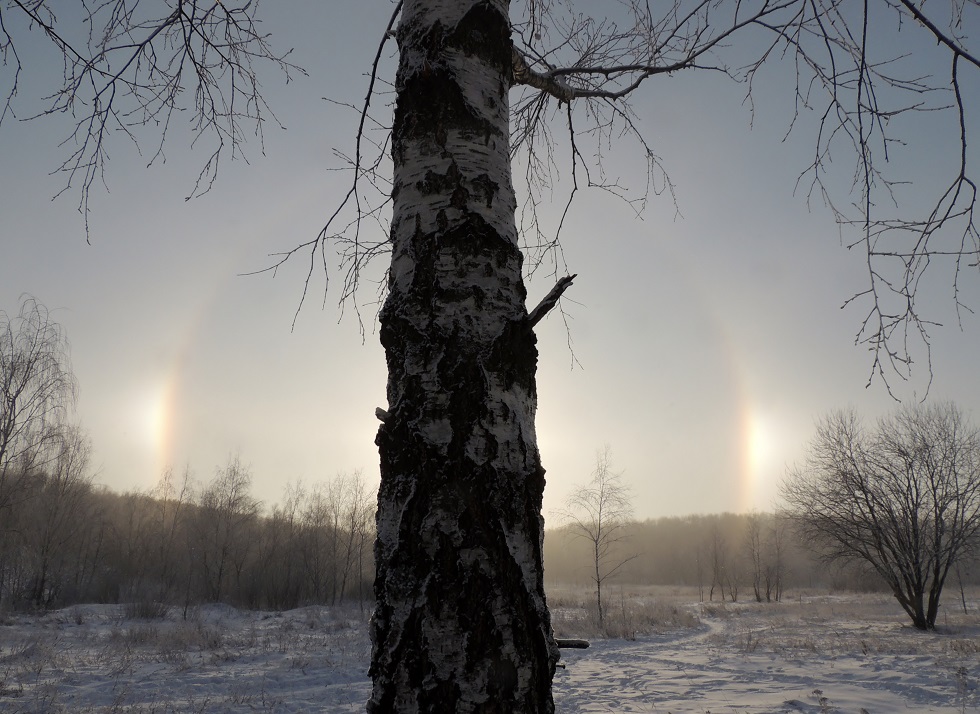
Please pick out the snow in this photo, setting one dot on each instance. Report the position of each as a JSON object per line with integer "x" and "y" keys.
{"x": 809, "y": 654}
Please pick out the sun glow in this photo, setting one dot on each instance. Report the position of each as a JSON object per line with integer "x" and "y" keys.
{"x": 758, "y": 449}
{"x": 158, "y": 425}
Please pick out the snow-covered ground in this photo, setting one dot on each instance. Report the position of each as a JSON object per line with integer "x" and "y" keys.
{"x": 844, "y": 653}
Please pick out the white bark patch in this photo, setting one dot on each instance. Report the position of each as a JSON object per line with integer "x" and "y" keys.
{"x": 510, "y": 426}
{"x": 516, "y": 431}
{"x": 402, "y": 269}
{"x": 521, "y": 550}
{"x": 483, "y": 162}
{"x": 390, "y": 516}
{"x": 443, "y": 639}
{"x": 481, "y": 166}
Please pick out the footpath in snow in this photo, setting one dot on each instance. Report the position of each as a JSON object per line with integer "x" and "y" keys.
{"x": 811, "y": 654}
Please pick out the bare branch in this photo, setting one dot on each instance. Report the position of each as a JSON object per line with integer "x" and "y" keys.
{"x": 359, "y": 253}
{"x": 857, "y": 81}
{"x": 549, "y": 301}
{"x": 133, "y": 70}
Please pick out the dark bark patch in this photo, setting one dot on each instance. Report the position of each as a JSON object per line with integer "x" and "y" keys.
{"x": 430, "y": 99}
{"x": 434, "y": 183}
{"x": 431, "y": 102}
{"x": 485, "y": 32}
{"x": 515, "y": 351}
{"x": 487, "y": 188}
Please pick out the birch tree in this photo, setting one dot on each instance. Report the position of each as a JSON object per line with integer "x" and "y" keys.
{"x": 461, "y": 621}
{"x": 600, "y": 512}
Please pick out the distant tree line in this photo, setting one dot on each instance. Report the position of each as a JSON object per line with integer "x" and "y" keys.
{"x": 64, "y": 540}
{"x": 727, "y": 556}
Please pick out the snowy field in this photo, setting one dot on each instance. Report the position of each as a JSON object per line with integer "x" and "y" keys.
{"x": 819, "y": 653}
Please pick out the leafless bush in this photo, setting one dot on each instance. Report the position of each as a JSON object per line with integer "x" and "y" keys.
{"x": 627, "y": 617}
{"x": 712, "y": 609}
{"x": 137, "y": 635}
{"x": 8, "y": 688}
{"x": 146, "y": 610}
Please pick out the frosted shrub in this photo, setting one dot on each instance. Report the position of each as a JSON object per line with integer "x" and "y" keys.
{"x": 626, "y": 617}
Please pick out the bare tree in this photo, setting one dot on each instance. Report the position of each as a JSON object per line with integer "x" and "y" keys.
{"x": 319, "y": 544}
{"x": 59, "y": 518}
{"x": 775, "y": 566}
{"x": 279, "y": 559}
{"x": 456, "y": 441}
{"x": 763, "y": 542}
{"x": 903, "y": 498}
{"x": 459, "y": 525}
{"x": 132, "y": 64}
{"x": 599, "y": 512}
{"x": 733, "y": 577}
{"x": 753, "y": 541}
{"x": 145, "y": 529}
{"x": 150, "y": 526}
{"x": 357, "y": 513}
{"x": 37, "y": 391}
{"x": 171, "y": 501}
{"x": 718, "y": 554}
{"x": 699, "y": 570}
{"x": 226, "y": 512}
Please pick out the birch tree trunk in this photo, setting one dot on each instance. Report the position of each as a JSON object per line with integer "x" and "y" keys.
{"x": 461, "y": 623}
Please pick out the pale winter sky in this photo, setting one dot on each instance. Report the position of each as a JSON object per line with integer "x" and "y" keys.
{"x": 708, "y": 342}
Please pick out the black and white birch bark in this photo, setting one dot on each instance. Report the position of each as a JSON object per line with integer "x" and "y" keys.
{"x": 461, "y": 623}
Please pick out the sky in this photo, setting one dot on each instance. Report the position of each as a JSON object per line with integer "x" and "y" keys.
{"x": 702, "y": 340}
